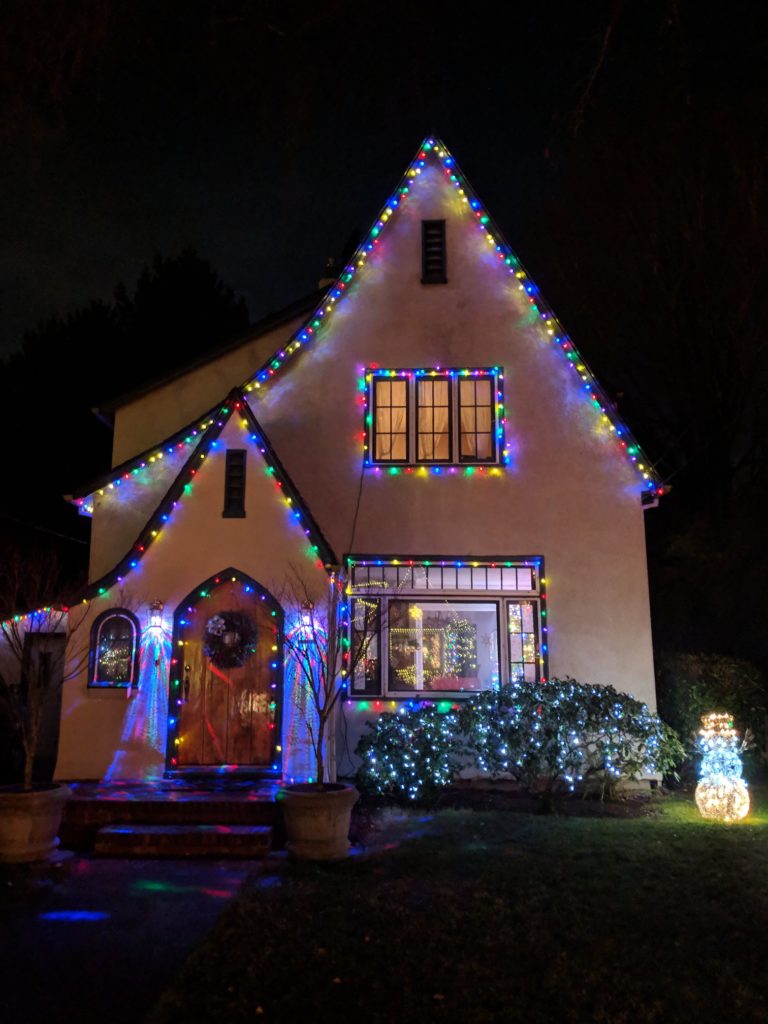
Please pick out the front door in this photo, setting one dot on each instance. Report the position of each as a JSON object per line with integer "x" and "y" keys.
{"x": 227, "y": 645}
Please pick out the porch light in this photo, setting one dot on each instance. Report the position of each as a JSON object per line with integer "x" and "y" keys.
{"x": 156, "y": 615}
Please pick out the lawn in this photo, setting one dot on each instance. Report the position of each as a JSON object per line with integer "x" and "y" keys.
{"x": 477, "y": 915}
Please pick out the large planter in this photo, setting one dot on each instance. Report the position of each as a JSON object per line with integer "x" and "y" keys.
{"x": 29, "y": 822}
{"x": 317, "y": 820}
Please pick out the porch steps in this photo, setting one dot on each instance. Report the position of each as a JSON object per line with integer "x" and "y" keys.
{"x": 219, "y": 841}
{"x": 94, "y": 807}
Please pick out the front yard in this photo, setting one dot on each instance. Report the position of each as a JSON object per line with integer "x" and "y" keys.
{"x": 479, "y": 916}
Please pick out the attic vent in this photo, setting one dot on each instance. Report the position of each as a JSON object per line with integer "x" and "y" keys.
{"x": 433, "y": 252}
{"x": 234, "y": 484}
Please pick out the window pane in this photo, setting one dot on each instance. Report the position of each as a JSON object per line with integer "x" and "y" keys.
{"x": 398, "y": 392}
{"x": 464, "y": 579}
{"x": 524, "y": 579}
{"x": 364, "y": 651}
{"x": 483, "y": 392}
{"x": 522, "y": 639}
{"x": 398, "y": 447}
{"x": 115, "y": 651}
{"x": 483, "y": 419}
{"x": 442, "y": 646}
{"x": 433, "y": 435}
{"x": 435, "y": 578}
{"x": 390, "y": 421}
{"x": 484, "y": 446}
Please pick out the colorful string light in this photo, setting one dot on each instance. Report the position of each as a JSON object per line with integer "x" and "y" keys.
{"x": 432, "y": 149}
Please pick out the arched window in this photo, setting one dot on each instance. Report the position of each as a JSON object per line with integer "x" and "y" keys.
{"x": 114, "y": 649}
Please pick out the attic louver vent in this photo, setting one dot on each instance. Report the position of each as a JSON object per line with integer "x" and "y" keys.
{"x": 433, "y": 252}
{"x": 234, "y": 484}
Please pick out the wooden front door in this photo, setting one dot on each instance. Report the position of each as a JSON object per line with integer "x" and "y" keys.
{"x": 228, "y": 666}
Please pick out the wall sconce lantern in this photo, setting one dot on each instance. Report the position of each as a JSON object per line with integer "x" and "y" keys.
{"x": 156, "y": 615}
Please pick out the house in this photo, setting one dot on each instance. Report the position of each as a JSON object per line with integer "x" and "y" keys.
{"x": 425, "y": 424}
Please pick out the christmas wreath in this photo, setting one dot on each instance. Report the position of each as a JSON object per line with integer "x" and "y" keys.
{"x": 230, "y": 639}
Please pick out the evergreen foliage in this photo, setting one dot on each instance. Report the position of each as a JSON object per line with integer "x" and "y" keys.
{"x": 546, "y": 736}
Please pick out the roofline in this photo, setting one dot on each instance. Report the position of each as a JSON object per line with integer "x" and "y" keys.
{"x": 235, "y": 402}
{"x": 105, "y": 410}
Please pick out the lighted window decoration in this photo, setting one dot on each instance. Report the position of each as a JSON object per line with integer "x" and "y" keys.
{"x": 476, "y": 420}
{"x": 366, "y": 625}
{"x": 446, "y": 417}
{"x": 390, "y": 410}
{"x": 721, "y": 794}
{"x": 433, "y": 419}
{"x": 523, "y": 645}
{"x": 114, "y": 650}
{"x": 442, "y": 646}
{"x": 436, "y": 627}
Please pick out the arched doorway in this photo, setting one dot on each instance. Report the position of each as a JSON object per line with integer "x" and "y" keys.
{"x": 226, "y": 677}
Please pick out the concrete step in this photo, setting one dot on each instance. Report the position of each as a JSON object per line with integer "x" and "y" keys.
{"x": 142, "y": 840}
{"x": 87, "y": 812}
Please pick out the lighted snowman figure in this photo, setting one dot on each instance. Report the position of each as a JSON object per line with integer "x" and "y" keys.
{"x": 721, "y": 794}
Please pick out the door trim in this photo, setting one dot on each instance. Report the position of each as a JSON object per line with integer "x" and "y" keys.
{"x": 200, "y": 592}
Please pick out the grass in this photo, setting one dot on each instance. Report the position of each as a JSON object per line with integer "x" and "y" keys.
{"x": 479, "y": 916}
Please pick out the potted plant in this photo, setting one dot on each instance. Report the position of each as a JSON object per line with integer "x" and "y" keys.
{"x": 317, "y": 813}
{"x": 33, "y": 657}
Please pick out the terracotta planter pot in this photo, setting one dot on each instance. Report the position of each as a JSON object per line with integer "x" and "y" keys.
{"x": 317, "y": 821}
{"x": 29, "y": 822}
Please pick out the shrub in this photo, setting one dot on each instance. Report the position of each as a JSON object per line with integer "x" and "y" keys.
{"x": 561, "y": 733}
{"x": 409, "y": 754}
{"x": 546, "y": 736}
{"x": 690, "y": 685}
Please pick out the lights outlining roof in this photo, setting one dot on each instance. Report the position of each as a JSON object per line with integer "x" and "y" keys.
{"x": 432, "y": 149}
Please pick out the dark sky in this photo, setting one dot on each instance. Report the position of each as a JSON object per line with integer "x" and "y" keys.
{"x": 263, "y": 134}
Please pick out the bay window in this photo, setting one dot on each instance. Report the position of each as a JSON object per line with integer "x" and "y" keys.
{"x": 438, "y": 626}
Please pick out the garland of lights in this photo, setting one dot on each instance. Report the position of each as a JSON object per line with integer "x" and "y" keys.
{"x": 721, "y": 794}
{"x": 433, "y": 149}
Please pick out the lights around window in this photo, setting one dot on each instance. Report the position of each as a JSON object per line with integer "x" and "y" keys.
{"x": 436, "y": 419}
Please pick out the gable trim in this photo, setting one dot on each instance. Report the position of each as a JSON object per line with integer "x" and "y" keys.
{"x": 433, "y": 149}
{"x": 234, "y": 404}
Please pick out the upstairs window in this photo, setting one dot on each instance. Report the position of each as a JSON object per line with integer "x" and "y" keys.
{"x": 234, "y": 484}
{"x": 433, "y": 261}
{"x": 434, "y": 417}
{"x": 476, "y": 420}
{"x": 114, "y": 649}
{"x": 390, "y": 406}
{"x": 433, "y": 424}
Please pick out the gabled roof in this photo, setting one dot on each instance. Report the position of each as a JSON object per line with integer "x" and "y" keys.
{"x": 311, "y": 331}
{"x": 105, "y": 410}
{"x": 235, "y": 404}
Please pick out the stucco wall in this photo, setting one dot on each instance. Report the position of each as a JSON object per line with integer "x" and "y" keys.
{"x": 568, "y": 495}
{"x": 105, "y": 735}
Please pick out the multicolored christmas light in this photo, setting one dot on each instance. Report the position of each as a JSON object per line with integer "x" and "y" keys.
{"x": 365, "y": 386}
{"x": 722, "y": 793}
{"x": 432, "y": 149}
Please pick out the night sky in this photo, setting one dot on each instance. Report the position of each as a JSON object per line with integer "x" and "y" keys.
{"x": 264, "y": 134}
